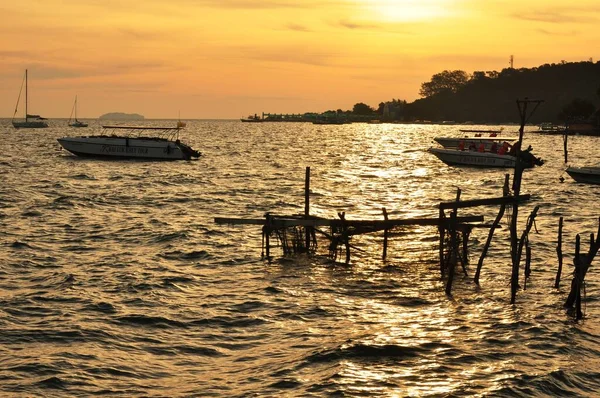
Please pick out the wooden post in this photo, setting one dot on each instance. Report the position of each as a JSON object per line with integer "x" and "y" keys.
{"x": 559, "y": 254}
{"x": 486, "y": 247}
{"x": 514, "y": 280}
{"x": 575, "y": 283}
{"x": 385, "y": 234}
{"x": 527, "y": 265}
{"x": 453, "y": 246}
{"x": 525, "y": 235}
{"x": 267, "y": 233}
{"x": 345, "y": 235}
{"x": 582, "y": 264}
{"x": 442, "y": 229}
{"x": 307, "y": 208}
{"x": 466, "y": 232}
{"x": 565, "y": 139}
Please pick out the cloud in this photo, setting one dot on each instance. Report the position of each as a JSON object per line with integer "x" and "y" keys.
{"x": 558, "y": 15}
{"x": 402, "y": 28}
{"x": 288, "y": 55}
{"x": 297, "y": 28}
{"x": 560, "y": 33}
{"x": 358, "y": 25}
{"x": 142, "y": 35}
{"x": 254, "y": 4}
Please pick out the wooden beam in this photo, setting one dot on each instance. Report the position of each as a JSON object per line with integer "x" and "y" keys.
{"x": 322, "y": 222}
{"x": 483, "y": 202}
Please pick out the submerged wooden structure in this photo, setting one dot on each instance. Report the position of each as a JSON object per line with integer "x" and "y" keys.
{"x": 298, "y": 233}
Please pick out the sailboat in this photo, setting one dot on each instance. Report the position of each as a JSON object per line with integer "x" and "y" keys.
{"x": 31, "y": 121}
{"x": 75, "y": 122}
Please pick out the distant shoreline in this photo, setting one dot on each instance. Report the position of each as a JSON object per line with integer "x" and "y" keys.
{"x": 121, "y": 116}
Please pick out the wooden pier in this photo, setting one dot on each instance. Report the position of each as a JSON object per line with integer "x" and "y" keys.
{"x": 298, "y": 233}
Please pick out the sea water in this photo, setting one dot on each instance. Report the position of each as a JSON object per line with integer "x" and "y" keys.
{"x": 116, "y": 281}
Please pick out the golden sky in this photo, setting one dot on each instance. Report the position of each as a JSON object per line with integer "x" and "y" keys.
{"x": 230, "y": 58}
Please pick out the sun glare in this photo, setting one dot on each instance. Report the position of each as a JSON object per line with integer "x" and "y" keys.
{"x": 408, "y": 10}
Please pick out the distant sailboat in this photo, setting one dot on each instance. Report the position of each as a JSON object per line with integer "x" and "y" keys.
{"x": 36, "y": 121}
{"x": 73, "y": 122}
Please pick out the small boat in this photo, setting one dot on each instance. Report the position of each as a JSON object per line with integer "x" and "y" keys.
{"x": 73, "y": 122}
{"x": 466, "y": 142}
{"x": 588, "y": 175}
{"x": 132, "y": 143}
{"x": 484, "y": 159}
{"x": 481, "y": 131}
{"x": 551, "y": 127}
{"x": 31, "y": 121}
{"x": 252, "y": 119}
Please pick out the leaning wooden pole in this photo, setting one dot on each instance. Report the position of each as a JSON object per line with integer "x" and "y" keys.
{"x": 559, "y": 254}
{"x": 488, "y": 242}
{"x": 525, "y": 235}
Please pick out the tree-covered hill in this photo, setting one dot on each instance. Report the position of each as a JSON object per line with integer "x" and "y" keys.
{"x": 490, "y": 97}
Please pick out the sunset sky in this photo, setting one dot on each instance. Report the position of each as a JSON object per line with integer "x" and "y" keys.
{"x": 229, "y": 58}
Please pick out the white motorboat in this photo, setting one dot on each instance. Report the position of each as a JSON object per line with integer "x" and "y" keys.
{"x": 483, "y": 159}
{"x": 588, "y": 175}
{"x": 163, "y": 145}
{"x": 473, "y": 142}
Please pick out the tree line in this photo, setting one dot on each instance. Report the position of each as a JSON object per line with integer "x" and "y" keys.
{"x": 570, "y": 90}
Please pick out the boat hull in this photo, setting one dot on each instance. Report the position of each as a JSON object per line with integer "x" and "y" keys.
{"x": 37, "y": 124}
{"x": 471, "y": 158}
{"x": 453, "y": 142}
{"x": 127, "y": 148}
{"x": 588, "y": 175}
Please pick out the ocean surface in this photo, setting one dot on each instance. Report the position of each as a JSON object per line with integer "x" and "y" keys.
{"x": 116, "y": 281}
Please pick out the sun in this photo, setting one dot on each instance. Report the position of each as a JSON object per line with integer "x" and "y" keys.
{"x": 408, "y": 10}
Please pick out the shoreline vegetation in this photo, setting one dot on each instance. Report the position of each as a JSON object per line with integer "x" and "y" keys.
{"x": 570, "y": 91}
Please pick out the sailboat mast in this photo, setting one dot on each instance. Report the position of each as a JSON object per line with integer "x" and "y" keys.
{"x": 26, "y": 95}
{"x": 75, "y": 108}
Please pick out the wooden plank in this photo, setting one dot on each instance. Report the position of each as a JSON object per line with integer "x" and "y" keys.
{"x": 321, "y": 222}
{"x": 483, "y": 202}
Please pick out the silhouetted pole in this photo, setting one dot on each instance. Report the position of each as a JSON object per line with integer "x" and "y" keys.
{"x": 559, "y": 254}
{"x": 442, "y": 230}
{"x": 307, "y": 206}
{"x": 582, "y": 264}
{"x": 488, "y": 242}
{"x": 385, "y": 234}
{"x": 345, "y": 235}
{"x": 514, "y": 280}
{"x": 266, "y": 234}
{"x": 565, "y": 139}
{"x": 527, "y": 265}
{"x": 453, "y": 246}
